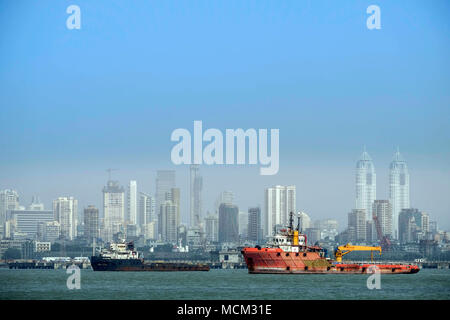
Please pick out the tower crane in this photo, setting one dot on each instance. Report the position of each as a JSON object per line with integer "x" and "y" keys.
{"x": 109, "y": 172}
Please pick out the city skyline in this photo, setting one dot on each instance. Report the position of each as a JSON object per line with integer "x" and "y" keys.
{"x": 184, "y": 200}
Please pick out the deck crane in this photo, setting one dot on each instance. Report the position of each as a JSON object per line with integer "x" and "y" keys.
{"x": 343, "y": 250}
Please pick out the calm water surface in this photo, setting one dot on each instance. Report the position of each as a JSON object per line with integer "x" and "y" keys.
{"x": 219, "y": 284}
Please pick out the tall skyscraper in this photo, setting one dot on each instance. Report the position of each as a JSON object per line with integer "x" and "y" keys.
{"x": 254, "y": 225}
{"x": 228, "y": 223}
{"x": 174, "y": 196}
{"x": 196, "y": 185}
{"x": 113, "y": 209}
{"x": 132, "y": 203}
{"x": 279, "y": 201}
{"x": 9, "y": 200}
{"x": 147, "y": 209}
{"x": 366, "y": 183}
{"x": 65, "y": 210}
{"x": 398, "y": 188}
{"x": 357, "y": 225}
{"x": 91, "y": 223}
{"x": 243, "y": 224}
{"x": 224, "y": 197}
{"x": 169, "y": 216}
{"x": 212, "y": 228}
{"x": 165, "y": 180}
{"x": 413, "y": 225}
{"x": 382, "y": 209}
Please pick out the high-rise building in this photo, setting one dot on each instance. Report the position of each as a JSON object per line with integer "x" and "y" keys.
{"x": 280, "y": 201}
{"x": 149, "y": 231}
{"x": 312, "y": 235}
{"x": 228, "y": 223}
{"x": 243, "y": 224}
{"x": 212, "y": 228}
{"x": 413, "y": 225}
{"x": 196, "y": 185}
{"x": 113, "y": 209}
{"x": 65, "y": 210}
{"x": 168, "y": 222}
{"x": 328, "y": 228}
{"x": 131, "y": 231}
{"x": 398, "y": 188}
{"x": 50, "y": 231}
{"x": 224, "y": 197}
{"x": 91, "y": 223}
{"x": 382, "y": 209}
{"x": 147, "y": 209}
{"x": 132, "y": 203}
{"x": 174, "y": 196}
{"x": 254, "y": 225}
{"x": 165, "y": 180}
{"x": 305, "y": 221}
{"x": 433, "y": 227}
{"x": 169, "y": 216}
{"x": 357, "y": 225}
{"x": 366, "y": 183}
{"x": 9, "y": 200}
{"x": 36, "y": 204}
{"x": 27, "y": 221}
{"x": 371, "y": 234}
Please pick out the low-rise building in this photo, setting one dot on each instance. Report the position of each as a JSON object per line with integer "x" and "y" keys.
{"x": 42, "y": 246}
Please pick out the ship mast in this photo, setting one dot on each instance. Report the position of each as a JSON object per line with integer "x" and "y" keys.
{"x": 291, "y": 221}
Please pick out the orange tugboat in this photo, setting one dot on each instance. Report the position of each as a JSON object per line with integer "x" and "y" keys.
{"x": 287, "y": 252}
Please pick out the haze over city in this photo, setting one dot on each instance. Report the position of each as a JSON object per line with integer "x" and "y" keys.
{"x": 75, "y": 103}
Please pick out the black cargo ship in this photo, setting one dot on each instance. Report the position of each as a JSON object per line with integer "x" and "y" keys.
{"x": 123, "y": 257}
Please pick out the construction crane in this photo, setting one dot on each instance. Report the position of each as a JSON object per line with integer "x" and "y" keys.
{"x": 384, "y": 241}
{"x": 109, "y": 172}
{"x": 343, "y": 250}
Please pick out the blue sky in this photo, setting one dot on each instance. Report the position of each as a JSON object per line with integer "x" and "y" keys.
{"x": 75, "y": 102}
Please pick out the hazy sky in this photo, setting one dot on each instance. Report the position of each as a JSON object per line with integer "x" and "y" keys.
{"x": 76, "y": 102}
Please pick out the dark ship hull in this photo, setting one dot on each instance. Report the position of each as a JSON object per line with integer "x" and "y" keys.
{"x": 102, "y": 264}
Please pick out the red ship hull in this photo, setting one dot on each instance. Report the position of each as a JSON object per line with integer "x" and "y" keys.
{"x": 275, "y": 260}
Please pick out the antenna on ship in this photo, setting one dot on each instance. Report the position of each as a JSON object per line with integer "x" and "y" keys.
{"x": 298, "y": 223}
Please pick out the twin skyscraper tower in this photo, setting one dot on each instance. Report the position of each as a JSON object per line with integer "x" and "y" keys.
{"x": 366, "y": 183}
